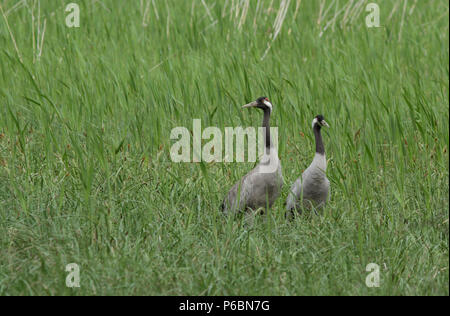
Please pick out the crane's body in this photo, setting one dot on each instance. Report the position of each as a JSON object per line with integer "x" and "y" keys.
{"x": 262, "y": 185}
{"x": 257, "y": 189}
{"x": 311, "y": 190}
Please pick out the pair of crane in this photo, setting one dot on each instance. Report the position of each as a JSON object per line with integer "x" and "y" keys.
{"x": 259, "y": 188}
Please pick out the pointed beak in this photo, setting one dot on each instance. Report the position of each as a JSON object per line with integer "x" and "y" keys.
{"x": 250, "y": 105}
{"x": 325, "y": 124}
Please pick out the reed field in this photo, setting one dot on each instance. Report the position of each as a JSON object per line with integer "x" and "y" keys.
{"x": 86, "y": 175}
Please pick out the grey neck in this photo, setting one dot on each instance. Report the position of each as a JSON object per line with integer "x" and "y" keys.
{"x": 320, "y": 149}
{"x": 266, "y": 126}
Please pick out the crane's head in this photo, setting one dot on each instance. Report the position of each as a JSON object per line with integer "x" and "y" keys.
{"x": 319, "y": 121}
{"x": 261, "y": 103}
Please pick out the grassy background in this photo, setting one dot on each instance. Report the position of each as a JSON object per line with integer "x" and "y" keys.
{"x": 85, "y": 172}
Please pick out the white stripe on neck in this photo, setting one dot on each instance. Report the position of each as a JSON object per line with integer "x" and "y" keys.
{"x": 268, "y": 104}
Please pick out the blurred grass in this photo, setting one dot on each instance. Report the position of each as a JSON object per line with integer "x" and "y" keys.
{"x": 85, "y": 172}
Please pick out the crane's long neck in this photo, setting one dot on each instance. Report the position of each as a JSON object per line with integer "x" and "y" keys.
{"x": 266, "y": 127}
{"x": 320, "y": 149}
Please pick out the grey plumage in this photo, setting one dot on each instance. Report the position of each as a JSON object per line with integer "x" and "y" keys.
{"x": 255, "y": 190}
{"x": 311, "y": 190}
{"x": 261, "y": 186}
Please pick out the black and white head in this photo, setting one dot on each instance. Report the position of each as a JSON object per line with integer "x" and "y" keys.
{"x": 262, "y": 103}
{"x": 319, "y": 121}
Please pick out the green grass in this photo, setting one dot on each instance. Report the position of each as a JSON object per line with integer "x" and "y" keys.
{"x": 86, "y": 176}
